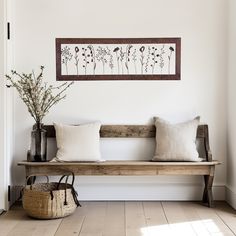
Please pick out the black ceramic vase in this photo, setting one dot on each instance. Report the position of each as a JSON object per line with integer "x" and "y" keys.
{"x": 38, "y": 148}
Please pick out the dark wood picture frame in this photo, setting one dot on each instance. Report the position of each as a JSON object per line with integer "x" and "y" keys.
{"x": 116, "y": 41}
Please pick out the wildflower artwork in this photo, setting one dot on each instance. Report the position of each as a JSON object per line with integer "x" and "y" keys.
{"x": 118, "y": 59}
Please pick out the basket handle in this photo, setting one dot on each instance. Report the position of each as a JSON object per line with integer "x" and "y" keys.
{"x": 67, "y": 177}
{"x": 66, "y": 182}
{"x": 27, "y": 178}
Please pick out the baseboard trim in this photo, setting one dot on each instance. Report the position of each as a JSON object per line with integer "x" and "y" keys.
{"x": 2, "y": 211}
{"x": 15, "y": 194}
{"x": 230, "y": 197}
{"x": 169, "y": 192}
{"x": 139, "y": 192}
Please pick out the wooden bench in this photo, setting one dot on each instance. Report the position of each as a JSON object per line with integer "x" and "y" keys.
{"x": 205, "y": 168}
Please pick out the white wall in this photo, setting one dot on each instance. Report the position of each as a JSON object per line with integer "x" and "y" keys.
{"x": 2, "y": 161}
{"x": 202, "y": 90}
{"x": 231, "y": 168}
{"x": 5, "y": 109}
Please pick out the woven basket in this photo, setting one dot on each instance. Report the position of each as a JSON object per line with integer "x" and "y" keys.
{"x": 50, "y": 200}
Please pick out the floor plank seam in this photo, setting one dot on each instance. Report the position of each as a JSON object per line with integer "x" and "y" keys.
{"x": 187, "y": 218}
{"x": 224, "y": 222}
{"x": 82, "y": 225}
{"x": 200, "y": 217}
{"x": 125, "y": 218}
{"x": 58, "y": 227}
{"x": 145, "y": 217}
{"x": 164, "y": 213}
{"x": 106, "y": 214}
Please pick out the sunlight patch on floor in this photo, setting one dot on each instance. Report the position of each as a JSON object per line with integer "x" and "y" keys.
{"x": 198, "y": 227}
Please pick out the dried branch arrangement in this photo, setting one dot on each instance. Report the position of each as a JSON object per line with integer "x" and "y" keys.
{"x": 37, "y": 95}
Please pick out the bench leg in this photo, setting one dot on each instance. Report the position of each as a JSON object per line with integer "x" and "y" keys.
{"x": 207, "y": 194}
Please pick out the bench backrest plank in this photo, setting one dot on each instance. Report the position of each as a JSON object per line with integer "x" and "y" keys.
{"x": 129, "y": 131}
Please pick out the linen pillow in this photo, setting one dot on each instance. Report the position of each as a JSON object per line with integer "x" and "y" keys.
{"x": 78, "y": 143}
{"x": 176, "y": 142}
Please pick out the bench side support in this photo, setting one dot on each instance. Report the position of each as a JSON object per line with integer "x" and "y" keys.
{"x": 206, "y": 144}
{"x": 207, "y": 194}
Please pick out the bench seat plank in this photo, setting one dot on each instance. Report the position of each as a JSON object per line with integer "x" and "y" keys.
{"x": 128, "y": 168}
{"x": 117, "y": 163}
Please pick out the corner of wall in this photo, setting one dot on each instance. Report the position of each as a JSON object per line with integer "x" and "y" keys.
{"x": 231, "y": 85}
{"x": 231, "y": 197}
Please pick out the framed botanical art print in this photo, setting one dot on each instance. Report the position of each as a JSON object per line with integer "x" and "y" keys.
{"x": 118, "y": 59}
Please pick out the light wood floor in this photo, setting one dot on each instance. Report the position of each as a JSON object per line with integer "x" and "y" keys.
{"x": 127, "y": 218}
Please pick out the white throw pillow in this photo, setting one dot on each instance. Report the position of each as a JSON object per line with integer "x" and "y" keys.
{"x": 78, "y": 143}
{"x": 176, "y": 142}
